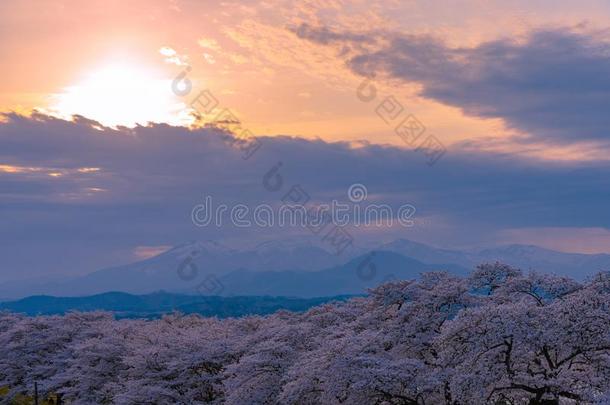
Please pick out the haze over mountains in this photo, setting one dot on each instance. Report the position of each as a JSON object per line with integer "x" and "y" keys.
{"x": 297, "y": 268}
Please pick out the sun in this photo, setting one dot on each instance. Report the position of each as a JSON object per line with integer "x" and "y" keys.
{"x": 121, "y": 95}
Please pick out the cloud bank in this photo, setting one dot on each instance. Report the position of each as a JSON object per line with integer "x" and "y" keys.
{"x": 75, "y": 196}
{"x": 552, "y": 85}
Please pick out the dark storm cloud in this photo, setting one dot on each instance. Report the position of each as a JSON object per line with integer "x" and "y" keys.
{"x": 554, "y": 85}
{"x": 149, "y": 179}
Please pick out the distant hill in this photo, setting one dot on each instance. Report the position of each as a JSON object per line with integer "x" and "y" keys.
{"x": 354, "y": 277}
{"x": 525, "y": 257}
{"x": 157, "y": 304}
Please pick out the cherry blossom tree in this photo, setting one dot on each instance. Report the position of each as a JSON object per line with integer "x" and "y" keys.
{"x": 499, "y": 336}
{"x": 526, "y": 350}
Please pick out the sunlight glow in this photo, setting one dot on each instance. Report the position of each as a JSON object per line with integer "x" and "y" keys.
{"x": 121, "y": 95}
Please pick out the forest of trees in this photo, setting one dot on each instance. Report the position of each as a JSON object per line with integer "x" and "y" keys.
{"x": 498, "y": 337}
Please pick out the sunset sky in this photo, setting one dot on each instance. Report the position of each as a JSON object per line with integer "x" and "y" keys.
{"x": 518, "y": 93}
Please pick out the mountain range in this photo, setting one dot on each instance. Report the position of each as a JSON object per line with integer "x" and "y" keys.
{"x": 297, "y": 268}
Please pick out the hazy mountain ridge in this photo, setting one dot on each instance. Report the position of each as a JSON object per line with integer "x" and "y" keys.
{"x": 297, "y": 267}
{"x": 354, "y": 277}
{"x": 526, "y": 257}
